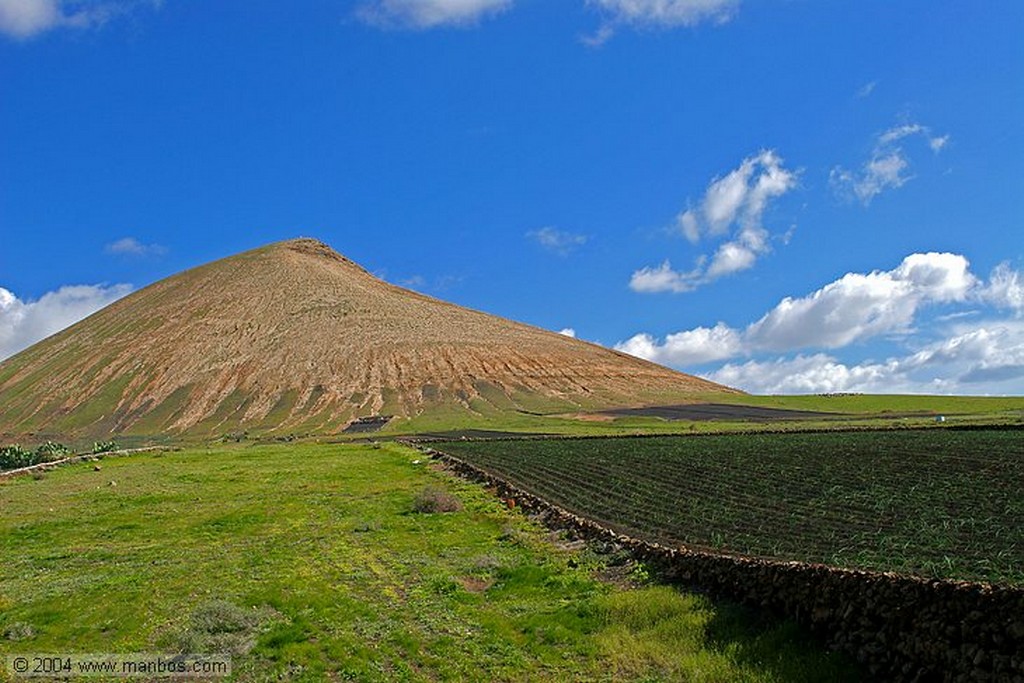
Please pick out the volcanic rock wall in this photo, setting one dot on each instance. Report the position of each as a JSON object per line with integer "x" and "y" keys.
{"x": 903, "y": 628}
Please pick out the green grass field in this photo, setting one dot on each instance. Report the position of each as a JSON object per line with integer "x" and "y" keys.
{"x": 937, "y": 502}
{"x": 306, "y": 562}
{"x": 852, "y": 411}
{"x": 882, "y": 405}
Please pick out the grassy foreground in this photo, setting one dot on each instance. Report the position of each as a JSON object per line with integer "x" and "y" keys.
{"x": 306, "y": 562}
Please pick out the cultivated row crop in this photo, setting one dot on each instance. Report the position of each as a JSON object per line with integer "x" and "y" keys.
{"x": 937, "y": 502}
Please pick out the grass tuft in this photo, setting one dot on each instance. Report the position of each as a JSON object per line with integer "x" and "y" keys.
{"x": 433, "y": 499}
{"x": 17, "y": 631}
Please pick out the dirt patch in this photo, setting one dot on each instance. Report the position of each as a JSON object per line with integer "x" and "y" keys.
{"x": 475, "y": 584}
{"x": 591, "y": 417}
{"x": 718, "y": 411}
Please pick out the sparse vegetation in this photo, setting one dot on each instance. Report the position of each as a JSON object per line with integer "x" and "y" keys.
{"x": 17, "y": 631}
{"x": 219, "y": 625}
{"x": 435, "y": 499}
{"x": 941, "y": 503}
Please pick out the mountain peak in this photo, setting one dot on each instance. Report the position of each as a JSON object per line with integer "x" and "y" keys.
{"x": 310, "y": 246}
{"x": 294, "y": 336}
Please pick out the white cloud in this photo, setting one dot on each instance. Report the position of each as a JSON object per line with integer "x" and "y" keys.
{"x": 738, "y": 199}
{"x": 1005, "y": 289}
{"x": 866, "y": 89}
{"x": 941, "y": 277}
{"x": 664, "y": 279}
{"x": 558, "y": 241}
{"x": 24, "y": 19}
{"x": 985, "y": 359}
{"x": 967, "y": 354}
{"x": 425, "y": 14}
{"x": 860, "y": 306}
{"x": 987, "y": 351}
{"x": 819, "y": 373}
{"x": 880, "y": 173}
{"x": 567, "y": 332}
{"x": 733, "y": 205}
{"x": 129, "y": 246}
{"x": 413, "y": 282}
{"x": 938, "y": 143}
{"x": 722, "y": 201}
{"x": 667, "y": 13}
{"x": 599, "y": 37}
{"x": 897, "y": 133}
{"x": 700, "y": 345}
{"x": 887, "y": 167}
{"x": 23, "y": 323}
{"x": 733, "y": 257}
{"x": 419, "y": 283}
{"x": 854, "y": 308}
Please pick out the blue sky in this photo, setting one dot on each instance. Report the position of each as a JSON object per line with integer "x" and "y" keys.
{"x": 788, "y": 196}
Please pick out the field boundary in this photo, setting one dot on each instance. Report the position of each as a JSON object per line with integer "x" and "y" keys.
{"x": 903, "y": 628}
{"x": 417, "y": 440}
{"x": 72, "y": 459}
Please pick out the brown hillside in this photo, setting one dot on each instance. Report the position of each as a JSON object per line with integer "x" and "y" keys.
{"x": 294, "y": 336}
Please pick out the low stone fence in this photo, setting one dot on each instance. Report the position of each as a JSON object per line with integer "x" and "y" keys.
{"x": 902, "y": 628}
{"x": 83, "y": 457}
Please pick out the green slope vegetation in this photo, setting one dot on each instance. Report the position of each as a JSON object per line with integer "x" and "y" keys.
{"x": 882, "y": 404}
{"x": 307, "y": 563}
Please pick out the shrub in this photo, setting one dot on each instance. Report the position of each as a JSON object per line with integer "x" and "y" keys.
{"x": 51, "y": 451}
{"x": 221, "y": 616}
{"x": 485, "y": 564}
{"x": 105, "y": 446}
{"x": 218, "y": 625}
{"x": 13, "y": 457}
{"x": 19, "y": 630}
{"x": 434, "y": 499}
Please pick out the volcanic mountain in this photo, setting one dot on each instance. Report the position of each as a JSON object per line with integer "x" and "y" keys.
{"x": 295, "y": 337}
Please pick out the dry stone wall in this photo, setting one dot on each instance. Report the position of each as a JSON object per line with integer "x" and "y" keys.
{"x": 902, "y": 628}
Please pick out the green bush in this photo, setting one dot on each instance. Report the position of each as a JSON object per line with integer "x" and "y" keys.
{"x": 105, "y": 446}
{"x": 51, "y": 451}
{"x": 13, "y": 457}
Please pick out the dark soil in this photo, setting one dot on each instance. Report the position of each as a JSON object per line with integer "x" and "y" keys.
{"x": 718, "y": 411}
{"x": 368, "y": 424}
